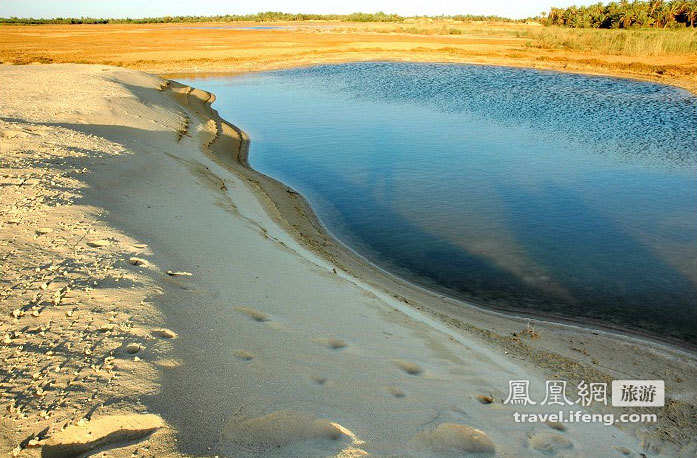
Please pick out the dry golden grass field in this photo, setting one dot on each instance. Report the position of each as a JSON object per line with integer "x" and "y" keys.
{"x": 668, "y": 56}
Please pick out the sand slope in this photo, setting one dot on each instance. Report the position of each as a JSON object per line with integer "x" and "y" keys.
{"x": 251, "y": 344}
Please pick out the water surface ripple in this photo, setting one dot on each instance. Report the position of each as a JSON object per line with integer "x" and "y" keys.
{"x": 559, "y": 194}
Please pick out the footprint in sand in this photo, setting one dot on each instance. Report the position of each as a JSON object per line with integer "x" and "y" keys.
{"x": 244, "y": 355}
{"x": 279, "y": 429}
{"x": 396, "y": 392}
{"x": 550, "y": 443}
{"x": 453, "y": 437}
{"x": 556, "y": 425}
{"x": 319, "y": 379}
{"x": 408, "y": 366}
{"x": 332, "y": 343}
{"x": 256, "y": 315}
{"x": 106, "y": 432}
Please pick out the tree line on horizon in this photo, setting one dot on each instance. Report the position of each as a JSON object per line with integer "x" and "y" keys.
{"x": 267, "y": 16}
{"x": 626, "y": 15}
{"x": 614, "y": 15}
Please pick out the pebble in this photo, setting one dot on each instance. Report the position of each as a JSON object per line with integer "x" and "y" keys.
{"x": 174, "y": 274}
{"x": 133, "y": 348}
{"x": 484, "y": 399}
{"x": 138, "y": 261}
{"x": 164, "y": 333}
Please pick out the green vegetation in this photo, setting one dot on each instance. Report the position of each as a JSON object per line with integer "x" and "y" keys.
{"x": 267, "y": 16}
{"x": 370, "y": 17}
{"x": 474, "y": 18}
{"x": 410, "y": 29}
{"x": 614, "y": 15}
{"x": 627, "y": 15}
{"x": 641, "y": 42}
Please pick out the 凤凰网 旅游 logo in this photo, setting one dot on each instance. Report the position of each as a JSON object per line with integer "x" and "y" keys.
{"x": 638, "y": 393}
{"x": 625, "y": 393}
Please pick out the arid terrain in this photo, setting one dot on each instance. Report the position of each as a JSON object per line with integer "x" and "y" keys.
{"x": 160, "y": 298}
{"x": 665, "y": 56}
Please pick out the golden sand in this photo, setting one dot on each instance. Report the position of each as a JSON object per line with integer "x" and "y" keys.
{"x": 200, "y": 48}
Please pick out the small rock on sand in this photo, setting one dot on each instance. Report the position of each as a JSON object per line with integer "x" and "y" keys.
{"x": 164, "y": 333}
{"x": 133, "y": 348}
{"x": 280, "y": 428}
{"x": 43, "y": 231}
{"x": 485, "y": 399}
{"x": 103, "y": 432}
{"x": 139, "y": 261}
{"x": 178, "y": 274}
{"x": 448, "y": 437}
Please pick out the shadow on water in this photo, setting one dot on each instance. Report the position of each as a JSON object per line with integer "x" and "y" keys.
{"x": 625, "y": 283}
{"x": 608, "y": 287}
{"x": 538, "y": 192}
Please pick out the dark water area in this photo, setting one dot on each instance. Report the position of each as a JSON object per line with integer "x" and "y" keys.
{"x": 554, "y": 194}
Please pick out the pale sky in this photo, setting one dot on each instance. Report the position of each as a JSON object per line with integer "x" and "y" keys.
{"x": 150, "y": 8}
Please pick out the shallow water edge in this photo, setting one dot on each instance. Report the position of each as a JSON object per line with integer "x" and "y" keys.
{"x": 297, "y": 216}
{"x": 279, "y": 129}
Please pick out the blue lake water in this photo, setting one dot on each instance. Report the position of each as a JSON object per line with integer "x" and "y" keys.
{"x": 540, "y": 192}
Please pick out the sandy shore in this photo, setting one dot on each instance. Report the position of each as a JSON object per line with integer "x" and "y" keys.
{"x": 160, "y": 298}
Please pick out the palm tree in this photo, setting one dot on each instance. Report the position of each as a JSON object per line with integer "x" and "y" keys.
{"x": 654, "y": 5}
{"x": 627, "y": 15}
{"x": 676, "y": 9}
{"x": 664, "y": 16}
{"x": 690, "y": 10}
